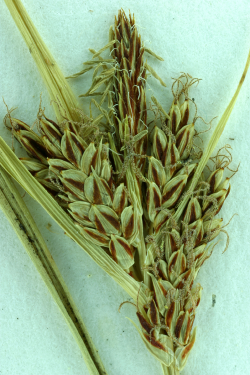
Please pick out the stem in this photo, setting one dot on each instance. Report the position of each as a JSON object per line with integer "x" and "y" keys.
{"x": 57, "y": 86}
{"x": 134, "y": 190}
{"x": 169, "y": 370}
{"x": 18, "y": 171}
{"x": 142, "y": 251}
{"x": 22, "y": 222}
{"x": 213, "y": 142}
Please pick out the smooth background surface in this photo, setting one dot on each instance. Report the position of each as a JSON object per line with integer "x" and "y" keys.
{"x": 207, "y": 39}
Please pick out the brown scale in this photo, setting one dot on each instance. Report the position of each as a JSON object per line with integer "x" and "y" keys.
{"x": 71, "y": 153}
{"x": 54, "y": 124}
{"x": 145, "y": 325}
{"x": 95, "y": 236}
{"x": 170, "y": 314}
{"x": 93, "y": 162}
{"x": 113, "y": 221}
{"x": 169, "y": 194}
{"x": 125, "y": 246}
{"x": 153, "y": 312}
{"x": 174, "y": 123}
{"x": 187, "y": 350}
{"x": 193, "y": 217}
{"x": 178, "y": 326}
{"x": 220, "y": 204}
{"x": 189, "y": 327}
{"x": 180, "y": 285}
{"x": 79, "y": 185}
{"x": 68, "y": 190}
{"x": 184, "y": 121}
{"x": 129, "y": 227}
{"x": 122, "y": 204}
{"x": 113, "y": 251}
{"x": 49, "y": 190}
{"x": 179, "y": 139}
{"x": 34, "y": 146}
{"x": 54, "y": 132}
{"x": 162, "y": 277}
{"x": 155, "y": 343}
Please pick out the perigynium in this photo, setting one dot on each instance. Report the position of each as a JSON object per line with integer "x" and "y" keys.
{"x": 138, "y": 187}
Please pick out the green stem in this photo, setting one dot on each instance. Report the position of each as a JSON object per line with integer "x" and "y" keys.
{"x": 22, "y": 222}
{"x": 18, "y": 171}
{"x": 57, "y": 86}
{"x": 213, "y": 142}
{"x": 169, "y": 370}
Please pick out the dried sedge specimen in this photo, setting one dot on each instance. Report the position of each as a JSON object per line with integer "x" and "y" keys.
{"x": 128, "y": 184}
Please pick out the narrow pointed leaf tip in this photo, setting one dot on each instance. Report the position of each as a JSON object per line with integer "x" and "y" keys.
{"x": 215, "y": 137}
{"x": 56, "y": 84}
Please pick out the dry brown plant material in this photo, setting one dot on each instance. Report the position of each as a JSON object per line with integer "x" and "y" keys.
{"x": 136, "y": 189}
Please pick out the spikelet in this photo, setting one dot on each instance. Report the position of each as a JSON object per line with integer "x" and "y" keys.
{"x": 124, "y": 187}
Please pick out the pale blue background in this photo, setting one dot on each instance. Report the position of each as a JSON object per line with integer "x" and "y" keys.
{"x": 209, "y": 40}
